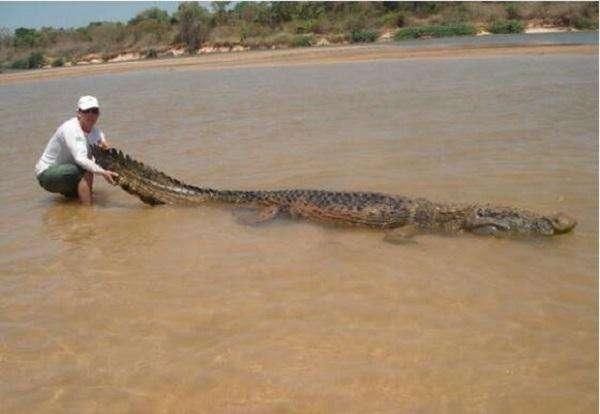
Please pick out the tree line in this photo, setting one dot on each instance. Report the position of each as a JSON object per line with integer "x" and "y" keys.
{"x": 280, "y": 24}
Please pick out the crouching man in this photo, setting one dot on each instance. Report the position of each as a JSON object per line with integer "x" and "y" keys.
{"x": 65, "y": 166}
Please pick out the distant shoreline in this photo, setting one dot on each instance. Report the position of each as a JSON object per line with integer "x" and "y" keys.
{"x": 293, "y": 57}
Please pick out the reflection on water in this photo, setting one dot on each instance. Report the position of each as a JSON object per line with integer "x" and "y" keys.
{"x": 132, "y": 308}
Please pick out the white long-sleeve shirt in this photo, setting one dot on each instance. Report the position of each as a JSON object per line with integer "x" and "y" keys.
{"x": 69, "y": 144}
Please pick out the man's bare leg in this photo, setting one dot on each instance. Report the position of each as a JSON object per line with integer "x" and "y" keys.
{"x": 84, "y": 188}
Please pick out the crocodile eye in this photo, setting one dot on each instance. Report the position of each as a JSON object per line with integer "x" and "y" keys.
{"x": 479, "y": 212}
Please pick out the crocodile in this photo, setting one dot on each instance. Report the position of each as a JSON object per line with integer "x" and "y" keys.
{"x": 401, "y": 217}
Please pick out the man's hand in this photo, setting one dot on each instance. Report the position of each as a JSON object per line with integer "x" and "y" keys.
{"x": 110, "y": 176}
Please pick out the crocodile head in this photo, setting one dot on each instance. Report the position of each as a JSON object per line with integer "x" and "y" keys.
{"x": 561, "y": 223}
{"x": 513, "y": 222}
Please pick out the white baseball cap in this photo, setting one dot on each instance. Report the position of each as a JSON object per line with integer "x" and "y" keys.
{"x": 87, "y": 102}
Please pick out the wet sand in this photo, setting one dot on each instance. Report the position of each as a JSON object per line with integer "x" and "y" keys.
{"x": 292, "y": 57}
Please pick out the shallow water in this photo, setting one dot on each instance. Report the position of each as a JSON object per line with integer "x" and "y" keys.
{"x": 122, "y": 307}
{"x": 515, "y": 39}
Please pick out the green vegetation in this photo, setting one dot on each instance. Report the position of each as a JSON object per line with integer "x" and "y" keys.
{"x": 58, "y": 62}
{"x": 512, "y": 11}
{"x": 19, "y": 64}
{"x": 435, "y": 31}
{"x": 194, "y": 25}
{"x": 27, "y": 38}
{"x": 152, "y": 14}
{"x": 151, "y": 53}
{"x": 585, "y": 23}
{"x": 154, "y": 33}
{"x": 506, "y": 26}
{"x": 302, "y": 41}
{"x": 363, "y": 36}
{"x": 35, "y": 60}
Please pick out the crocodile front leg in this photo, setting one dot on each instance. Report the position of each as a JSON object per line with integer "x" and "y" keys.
{"x": 401, "y": 235}
{"x": 263, "y": 215}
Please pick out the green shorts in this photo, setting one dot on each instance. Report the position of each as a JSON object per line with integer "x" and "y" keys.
{"x": 62, "y": 178}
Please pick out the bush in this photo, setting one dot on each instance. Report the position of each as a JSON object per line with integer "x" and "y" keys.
{"x": 151, "y": 54}
{"x": 581, "y": 15}
{"x": 392, "y": 20}
{"x": 279, "y": 39}
{"x": 153, "y": 13}
{"x": 400, "y": 20}
{"x": 318, "y": 26}
{"x": 253, "y": 12}
{"x": 26, "y": 38}
{"x": 35, "y": 60}
{"x": 512, "y": 11}
{"x": 506, "y": 26}
{"x": 354, "y": 23}
{"x": 105, "y": 36}
{"x": 485, "y": 12}
{"x": 583, "y": 23}
{"x": 426, "y": 8}
{"x": 363, "y": 36}
{"x": 220, "y": 14}
{"x": 435, "y": 31}
{"x": 20, "y": 64}
{"x": 58, "y": 62}
{"x": 302, "y": 41}
{"x": 455, "y": 15}
{"x": 150, "y": 31}
{"x": 194, "y": 25}
{"x": 82, "y": 34}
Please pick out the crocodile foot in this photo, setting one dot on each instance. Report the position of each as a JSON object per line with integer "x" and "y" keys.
{"x": 401, "y": 235}
{"x": 254, "y": 218}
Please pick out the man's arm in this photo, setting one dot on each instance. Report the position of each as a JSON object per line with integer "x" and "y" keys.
{"x": 77, "y": 145}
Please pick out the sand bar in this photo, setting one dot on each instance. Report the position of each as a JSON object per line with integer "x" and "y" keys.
{"x": 292, "y": 57}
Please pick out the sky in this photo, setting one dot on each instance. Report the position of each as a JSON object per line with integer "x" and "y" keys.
{"x": 69, "y": 14}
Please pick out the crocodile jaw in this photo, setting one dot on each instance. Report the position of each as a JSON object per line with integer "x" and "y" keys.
{"x": 562, "y": 223}
{"x": 508, "y": 221}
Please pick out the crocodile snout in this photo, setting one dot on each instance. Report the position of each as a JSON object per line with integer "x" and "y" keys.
{"x": 562, "y": 223}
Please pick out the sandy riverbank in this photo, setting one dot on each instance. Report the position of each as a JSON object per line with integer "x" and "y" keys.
{"x": 301, "y": 56}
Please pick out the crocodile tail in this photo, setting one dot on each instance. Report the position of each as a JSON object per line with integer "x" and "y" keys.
{"x": 148, "y": 184}
{"x": 155, "y": 187}
{"x": 117, "y": 161}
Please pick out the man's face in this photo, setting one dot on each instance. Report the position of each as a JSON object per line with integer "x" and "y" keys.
{"x": 88, "y": 118}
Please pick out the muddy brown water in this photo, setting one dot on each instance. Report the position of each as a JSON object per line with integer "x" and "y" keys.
{"x": 122, "y": 307}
